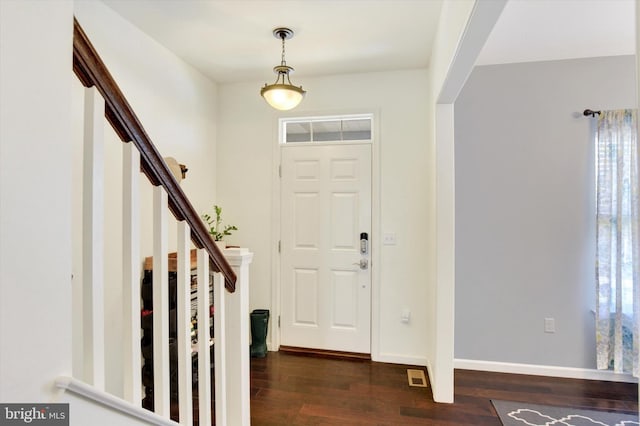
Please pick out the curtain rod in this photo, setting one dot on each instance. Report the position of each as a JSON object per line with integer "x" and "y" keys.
{"x": 588, "y": 112}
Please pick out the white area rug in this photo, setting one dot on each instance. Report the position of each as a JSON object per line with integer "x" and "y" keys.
{"x": 520, "y": 414}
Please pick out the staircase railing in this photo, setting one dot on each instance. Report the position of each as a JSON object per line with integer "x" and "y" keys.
{"x": 91, "y": 71}
{"x": 103, "y": 98}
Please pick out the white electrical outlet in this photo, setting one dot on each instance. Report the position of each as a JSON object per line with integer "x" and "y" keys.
{"x": 549, "y": 325}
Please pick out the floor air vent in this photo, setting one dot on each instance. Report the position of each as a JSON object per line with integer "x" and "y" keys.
{"x": 416, "y": 378}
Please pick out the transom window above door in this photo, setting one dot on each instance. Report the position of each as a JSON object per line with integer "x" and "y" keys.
{"x": 352, "y": 128}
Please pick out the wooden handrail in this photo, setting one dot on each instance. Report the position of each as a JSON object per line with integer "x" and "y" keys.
{"x": 91, "y": 71}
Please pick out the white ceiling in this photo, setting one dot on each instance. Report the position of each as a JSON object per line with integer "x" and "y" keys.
{"x": 544, "y": 30}
{"x": 231, "y": 40}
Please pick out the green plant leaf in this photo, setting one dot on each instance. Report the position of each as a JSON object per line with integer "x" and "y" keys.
{"x": 216, "y": 230}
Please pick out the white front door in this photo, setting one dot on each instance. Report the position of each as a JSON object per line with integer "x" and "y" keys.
{"x": 326, "y": 278}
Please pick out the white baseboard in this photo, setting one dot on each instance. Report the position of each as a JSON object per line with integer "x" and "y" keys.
{"x": 543, "y": 370}
{"x": 400, "y": 359}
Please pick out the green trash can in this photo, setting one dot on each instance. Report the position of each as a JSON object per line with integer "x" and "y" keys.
{"x": 259, "y": 328}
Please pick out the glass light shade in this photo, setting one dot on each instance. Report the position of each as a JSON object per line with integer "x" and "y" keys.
{"x": 282, "y": 96}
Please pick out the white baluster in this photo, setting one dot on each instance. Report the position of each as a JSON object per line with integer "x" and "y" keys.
{"x": 161, "y": 403}
{"x": 184, "y": 323}
{"x": 220, "y": 359}
{"x": 93, "y": 239}
{"x": 237, "y": 340}
{"x": 132, "y": 381}
{"x": 204, "y": 357}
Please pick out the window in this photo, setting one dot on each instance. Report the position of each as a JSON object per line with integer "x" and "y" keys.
{"x": 327, "y": 129}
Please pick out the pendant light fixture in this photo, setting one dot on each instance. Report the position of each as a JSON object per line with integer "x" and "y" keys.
{"x": 282, "y": 94}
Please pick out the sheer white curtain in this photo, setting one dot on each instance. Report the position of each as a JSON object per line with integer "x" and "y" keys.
{"x": 618, "y": 260}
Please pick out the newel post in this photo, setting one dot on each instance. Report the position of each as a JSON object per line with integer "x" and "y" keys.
{"x": 237, "y": 339}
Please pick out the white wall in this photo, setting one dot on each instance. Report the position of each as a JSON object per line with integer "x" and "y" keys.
{"x": 177, "y": 107}
{"x": 525, "y": 225}
{"x": 247, "y": 140}
{"x": 454, "y": 20}
{"x": 175, "y": 103}
{"x": 35, "y": 197}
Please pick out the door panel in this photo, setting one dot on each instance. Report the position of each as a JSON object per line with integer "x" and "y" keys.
{"x": 305, "y": 289}
{"x": 343, "y": 228}
{"x": 345, "y": 295}
{"x": 325, "y": 205}
{"x": 306, "y": 217}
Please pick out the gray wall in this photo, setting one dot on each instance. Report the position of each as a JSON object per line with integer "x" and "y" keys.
{"x": 525, "y": 228}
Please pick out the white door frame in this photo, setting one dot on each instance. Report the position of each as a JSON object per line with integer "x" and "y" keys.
{"x": 273, "y": 342}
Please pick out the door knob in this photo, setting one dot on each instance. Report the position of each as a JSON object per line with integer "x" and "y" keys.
{"x": 363, "y": 264}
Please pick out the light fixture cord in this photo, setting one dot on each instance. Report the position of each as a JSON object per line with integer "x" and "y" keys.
{"x": 283, "y": 61}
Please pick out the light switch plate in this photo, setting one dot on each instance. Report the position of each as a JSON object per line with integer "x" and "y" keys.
{"x": 389, "y": 239}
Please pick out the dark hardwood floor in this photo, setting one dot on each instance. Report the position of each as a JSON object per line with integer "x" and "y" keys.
{"x": 303, "y": 390}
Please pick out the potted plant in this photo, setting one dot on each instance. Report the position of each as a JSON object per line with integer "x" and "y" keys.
{"x": 216, "y": 229}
